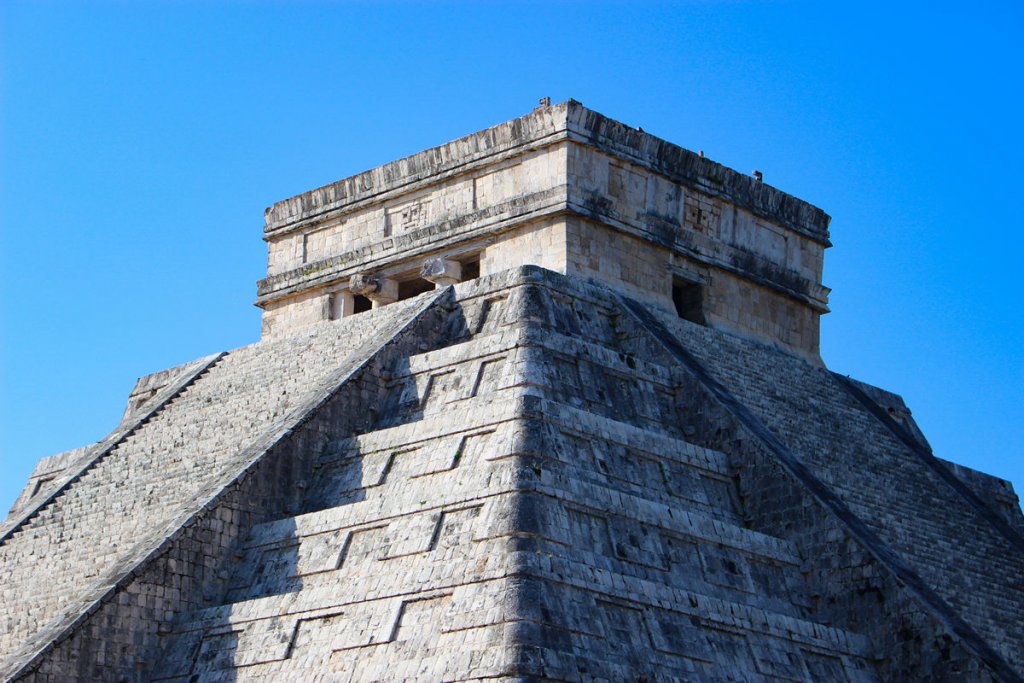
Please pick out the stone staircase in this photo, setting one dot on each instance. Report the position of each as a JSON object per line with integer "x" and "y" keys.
{"x": 499, "y": 521}
{"x": 75, "y": 545}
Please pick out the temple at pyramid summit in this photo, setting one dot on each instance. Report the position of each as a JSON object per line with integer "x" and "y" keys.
{"x": 544, "y": 403}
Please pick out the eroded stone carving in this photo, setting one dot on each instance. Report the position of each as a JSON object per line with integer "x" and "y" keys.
{"x": 441, "y": 271}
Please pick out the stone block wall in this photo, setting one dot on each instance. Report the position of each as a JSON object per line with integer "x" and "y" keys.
{"x": 569, "y": 190}
{"x": 631, "y": 264}
{"x": 378, "y": 218}
{"x": 542, "y": 243}
{"x": 759, "y": 278}
{"x": 525, "y": 505}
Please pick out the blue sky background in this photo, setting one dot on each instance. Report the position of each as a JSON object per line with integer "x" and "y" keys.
{"x": 140, "y": 142}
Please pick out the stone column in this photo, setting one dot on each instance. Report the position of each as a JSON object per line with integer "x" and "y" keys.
{"x": 340, "y": 304}
{"x": 441, "y": 271}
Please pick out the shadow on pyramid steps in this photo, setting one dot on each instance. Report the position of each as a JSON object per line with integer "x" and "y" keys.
{"x": 531, "y": 478}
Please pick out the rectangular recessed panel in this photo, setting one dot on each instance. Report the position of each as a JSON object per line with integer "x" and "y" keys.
{"x": 444, "y": 387}
{"x": 455, "y": 527}
{"x": 638, "y": 543}
{"x": 777, "y": 660}
{"x": 314, "y": 637}
{"x": 589, "y": 533}
{"x": 360, "y": 546}
{"x": 681, "y": 635}
{"x": 275, "y": 571}
{"x": 685, "y": 482}
{"x": 475, "y": 449}
{"x": 489, "y": 376}
{"x": 684, "y": 561}
{"x": 490, "y": 315}
{"x": 421, "y": 621}
{"x": 266, "y": 640}
{"x": 825, "y": 668}
{"x": 400, "y": 465}
{"x": 577, "y": 450}
{"x": 565, "y": 378}
{"x": 409, "y": 535}
{"x": 725, "y": 567}
{"x": 720, "y": 492}
{"x": 438, "y": 455}
{"x": 319, "y": 553}
{"x": 217, "y": 652}
{"x": 624, "y": 628}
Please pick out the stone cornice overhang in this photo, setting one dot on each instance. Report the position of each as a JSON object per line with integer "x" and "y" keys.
{"x": 541, "y": 128}
{"x": 690, "y": 169}
{"x": 456, "y": 233}
{"x": 544, "y": 126}
{"x": 470, "y": 230}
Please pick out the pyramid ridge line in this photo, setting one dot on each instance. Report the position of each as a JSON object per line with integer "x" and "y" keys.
{"x": 105, "y": 447}
{"x": 1014, "y": 537}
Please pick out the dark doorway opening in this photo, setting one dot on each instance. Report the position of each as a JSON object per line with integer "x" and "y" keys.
{"x": 471, "y": 268}
{"x": 689, "y": 300}
{"x": 361, "y": 304}
{"x": 411, "y": 288}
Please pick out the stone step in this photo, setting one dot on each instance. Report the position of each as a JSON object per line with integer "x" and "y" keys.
{"x": 414, "y": 512}
{"x": 566, "y": 369}
{"x": 890, "y": 489}
{"x": 318, "y": 622}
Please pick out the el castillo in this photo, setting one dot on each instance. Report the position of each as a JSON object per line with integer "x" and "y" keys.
{"x": 544, "y": 403}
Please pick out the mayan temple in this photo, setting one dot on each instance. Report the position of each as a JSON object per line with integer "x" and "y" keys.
{"x": 544, "y": 403}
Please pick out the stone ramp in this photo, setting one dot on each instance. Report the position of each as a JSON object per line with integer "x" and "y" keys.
{"x": 900, "y": 507}
{"x": 105, "y": 523}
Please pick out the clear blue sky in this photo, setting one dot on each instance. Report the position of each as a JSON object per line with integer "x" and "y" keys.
{"x": 140, "y": 142}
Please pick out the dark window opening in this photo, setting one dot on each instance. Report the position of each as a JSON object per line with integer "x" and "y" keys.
{"x": 361, "y": 304}
{"x": 411, "y": 288}
{"x": 689, "y": 300}
{"x": 471, "y": 268}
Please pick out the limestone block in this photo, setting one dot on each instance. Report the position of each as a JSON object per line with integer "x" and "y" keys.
{"x": 441, "y": 271}
{"x": 381, "y": 291}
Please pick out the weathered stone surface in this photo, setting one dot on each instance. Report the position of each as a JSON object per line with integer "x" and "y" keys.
{"x": 441, "y": 271}
{"x": 575, "y": 192}
{"x": 529, "y": 475}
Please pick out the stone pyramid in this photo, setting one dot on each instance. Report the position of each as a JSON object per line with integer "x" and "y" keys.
{"x": 543, "y": 403}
